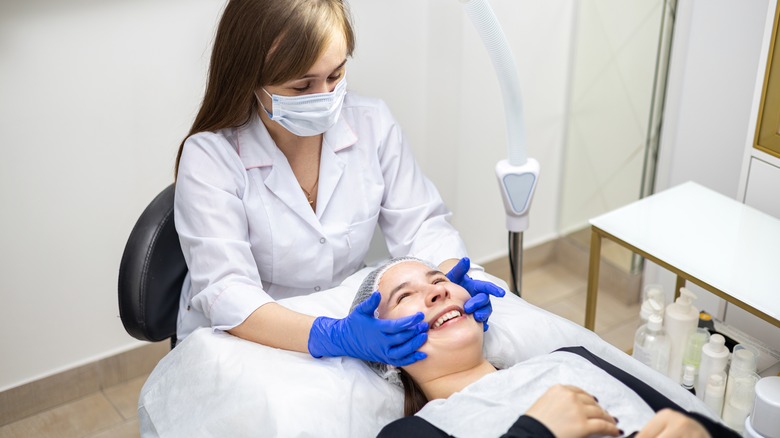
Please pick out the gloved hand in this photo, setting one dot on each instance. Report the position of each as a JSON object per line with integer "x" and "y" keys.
{"x": 363, "y": 336}
{"x": 479, "y": 303}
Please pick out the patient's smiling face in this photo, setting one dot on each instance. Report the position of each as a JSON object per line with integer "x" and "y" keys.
{"x": 411, "y": 287}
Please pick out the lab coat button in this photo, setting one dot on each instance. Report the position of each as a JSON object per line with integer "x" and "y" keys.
{"x": 322, "y": 240}
{"x": 316, "y": 288}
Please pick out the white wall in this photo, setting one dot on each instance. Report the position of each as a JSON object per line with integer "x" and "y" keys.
{"x": 95, "y": 97}
{"x": 713, "y": 72}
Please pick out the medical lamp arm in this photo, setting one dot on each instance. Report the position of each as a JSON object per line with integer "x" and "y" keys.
{"x": 517, "y": 176}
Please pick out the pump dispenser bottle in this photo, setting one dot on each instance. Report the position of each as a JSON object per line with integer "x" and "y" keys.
{"x": 714, "y": 358}
{"x": 651, "y": 344}
{"x": 654, "y": 293}
{"x": 680, "y": 321}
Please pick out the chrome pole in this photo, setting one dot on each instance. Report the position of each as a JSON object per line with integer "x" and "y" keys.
{"x": 516, "y": 261}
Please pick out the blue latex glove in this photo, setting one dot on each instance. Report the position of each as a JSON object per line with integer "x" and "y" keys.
{"x": 361, "y": 335}
{"x": 479, "y": 303}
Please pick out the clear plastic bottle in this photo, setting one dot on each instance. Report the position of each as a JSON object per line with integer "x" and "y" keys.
{"x": 651, "y": 345}
{"x": 740, "y": 387}
{"x": 743, "y": 361}
{"x": 692, "y": 356}
{"x": 737, "y": 405}
{"x": 680, "y": 320}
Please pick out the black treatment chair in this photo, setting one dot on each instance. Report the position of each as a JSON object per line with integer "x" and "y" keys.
{"x": 151, "y": 273}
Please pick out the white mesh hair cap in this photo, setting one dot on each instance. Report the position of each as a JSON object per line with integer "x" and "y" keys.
{"x": 371, "y": 282}
{"x": 368, "y": 287}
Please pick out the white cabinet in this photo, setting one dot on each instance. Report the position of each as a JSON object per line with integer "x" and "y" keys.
{"x": 763, "y": 187}
{"x": 759, "y": 184}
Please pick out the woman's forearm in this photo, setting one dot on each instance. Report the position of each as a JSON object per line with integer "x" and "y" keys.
{"x": 446, "y": 265}
{"x": 276, "y": 326}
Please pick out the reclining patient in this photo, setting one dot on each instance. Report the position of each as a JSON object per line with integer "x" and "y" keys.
{"x": 456, "y": 391}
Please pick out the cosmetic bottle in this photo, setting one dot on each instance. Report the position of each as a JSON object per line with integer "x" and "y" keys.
{"x": 651, "y": 344}
{"x": 738, "y": 405}
{"x": 715, "y": 391}
{"x": 714, "y": 358}
{"x": 688, "y": 378}
{"x": 743, "y": 362}
{"x": 680, "y": 320}
{"x": 764, "y": 421}
{"x": 692, "y": 356}
{"x": 653, "y": 293}
{"x": 740, "y": 387}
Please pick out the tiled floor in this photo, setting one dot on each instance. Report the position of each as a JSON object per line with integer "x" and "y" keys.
{"x": 558, "y": 290}
{"x": 112, "y": 411}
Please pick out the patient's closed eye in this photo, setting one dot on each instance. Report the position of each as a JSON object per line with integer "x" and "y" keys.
{"x": 402, "y": 296}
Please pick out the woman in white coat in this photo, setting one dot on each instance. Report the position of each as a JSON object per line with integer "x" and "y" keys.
{"x": 284, "y": 176}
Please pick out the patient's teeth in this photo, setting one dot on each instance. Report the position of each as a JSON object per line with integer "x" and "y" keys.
{"x": 446, "y": 317}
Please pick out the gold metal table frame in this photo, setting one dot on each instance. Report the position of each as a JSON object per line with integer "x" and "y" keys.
{"x": 593, "y": 279}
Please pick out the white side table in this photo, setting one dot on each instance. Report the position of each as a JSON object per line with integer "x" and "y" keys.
{"x": 711, "y": 240}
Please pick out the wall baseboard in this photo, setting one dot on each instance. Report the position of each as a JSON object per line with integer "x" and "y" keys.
{"x": 572, "y": 252}
{"x": 43, "y": 394}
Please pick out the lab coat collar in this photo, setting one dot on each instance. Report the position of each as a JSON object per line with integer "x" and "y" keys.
{"x": 257, "y": 149}
{"x": 336, "y": 139}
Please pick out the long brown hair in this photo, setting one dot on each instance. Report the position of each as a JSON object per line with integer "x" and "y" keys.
{"x": 414, "y": 397}
{"x": 263, "y": 42}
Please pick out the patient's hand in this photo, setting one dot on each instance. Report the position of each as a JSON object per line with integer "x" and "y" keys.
{"x": 669, "y": 423}
{"x": 570, "y": 412}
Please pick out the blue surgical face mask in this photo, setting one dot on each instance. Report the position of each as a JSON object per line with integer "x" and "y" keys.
{"x": 309, "y": 114}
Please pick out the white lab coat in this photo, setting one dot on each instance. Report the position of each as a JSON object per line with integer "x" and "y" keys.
{"x": 249, "y": 236}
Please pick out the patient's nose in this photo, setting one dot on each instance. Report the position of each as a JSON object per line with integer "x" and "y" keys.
{"x": 436, "y": 293}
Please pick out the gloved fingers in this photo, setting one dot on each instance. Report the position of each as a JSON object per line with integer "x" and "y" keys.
{"x": 404, "y": 336}
{"x": 476, "y": 302}
{"x": 410, "y": 359}
{"x": 368, "y": 306}
{"x": 482, "y": 314}
{"x": 459, "y": 271}
{"x": 481, "y": 307}
{"x": 486, "y": 287}
{"x": 392, "y": 326}
{"x": 408, "y": 347}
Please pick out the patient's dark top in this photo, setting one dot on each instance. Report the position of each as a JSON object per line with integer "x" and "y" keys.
{"x": 525, "y": 426}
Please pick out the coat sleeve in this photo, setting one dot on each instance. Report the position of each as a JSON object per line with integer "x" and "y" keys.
{"x": 213, "y": 231}
{"x": 413, "y": 216}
